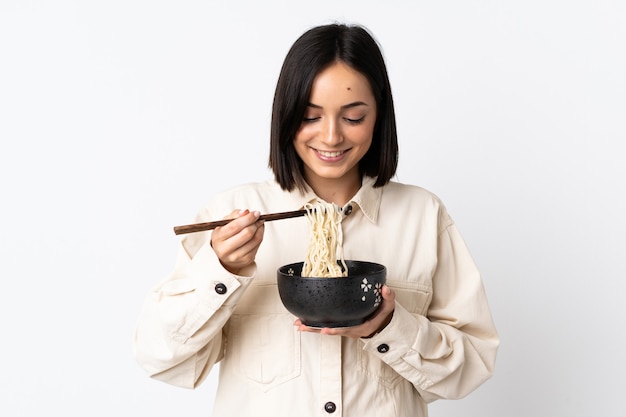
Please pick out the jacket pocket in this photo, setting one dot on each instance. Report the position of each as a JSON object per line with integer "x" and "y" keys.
{"x": 255, "y": 354}
{"x": 415, "y": 299}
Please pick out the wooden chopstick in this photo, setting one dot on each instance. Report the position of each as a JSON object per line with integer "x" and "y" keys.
{"x": 199, "y": 227}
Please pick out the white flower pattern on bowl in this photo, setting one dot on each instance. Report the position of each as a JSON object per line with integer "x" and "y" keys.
{"x": 366, "y": 286}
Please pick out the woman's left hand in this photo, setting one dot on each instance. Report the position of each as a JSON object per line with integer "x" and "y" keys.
{"x": 374, "y": 325}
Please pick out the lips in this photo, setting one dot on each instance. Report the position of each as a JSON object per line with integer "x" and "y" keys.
{"x": 328, "y": 154}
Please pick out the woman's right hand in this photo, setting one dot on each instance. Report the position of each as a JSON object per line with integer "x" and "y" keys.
{"x": 236, "y": 243}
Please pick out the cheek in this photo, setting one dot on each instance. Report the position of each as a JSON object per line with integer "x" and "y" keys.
{"x": 367, "y": 146}
{"x": 299, "y": 144}
{"x": 303, "y": 134}
{"x": 299, "y": 140}
{"x": 365, "y": 135}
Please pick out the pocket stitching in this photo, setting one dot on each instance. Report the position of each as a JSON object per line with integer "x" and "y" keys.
{"x": 266, "y": 361}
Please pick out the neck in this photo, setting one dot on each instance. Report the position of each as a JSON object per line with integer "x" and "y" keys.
{"x": 337, "y": 191}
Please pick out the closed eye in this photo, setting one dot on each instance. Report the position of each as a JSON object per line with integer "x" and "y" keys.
{"x": 354, "y": 121}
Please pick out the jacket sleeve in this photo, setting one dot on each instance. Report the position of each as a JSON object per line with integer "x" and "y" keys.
{"x": 179, "y": 334}
{"x": 451, "y": 350}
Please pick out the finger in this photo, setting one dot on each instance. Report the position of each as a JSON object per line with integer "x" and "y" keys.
{"x": 379, "y": 320}
{"x": 242, "y": 220}
{"x": 304, "y": 328}
{"x": 247, "y": 252}
{"x": 389, "y": 302}
{"x": 388, "y": 294}
{"x": 249, "y": 239}
{"x": 242, "y": 247}
{"x": 236, "y": 213}
{"x": 362, "y": 330}
{"x": 334, "y": 331}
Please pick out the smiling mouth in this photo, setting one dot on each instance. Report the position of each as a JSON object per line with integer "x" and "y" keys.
{"x": 329, "y": 154}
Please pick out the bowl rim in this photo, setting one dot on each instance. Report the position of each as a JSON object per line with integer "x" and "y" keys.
{"x": 377, "y": 269}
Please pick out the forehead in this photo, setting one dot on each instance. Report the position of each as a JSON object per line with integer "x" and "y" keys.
{"x": 339, "y": 79}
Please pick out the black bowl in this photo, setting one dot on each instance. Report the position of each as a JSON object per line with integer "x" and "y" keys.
{"x": 332, "y": 302}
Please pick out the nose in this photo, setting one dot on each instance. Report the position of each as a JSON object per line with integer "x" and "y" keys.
{"x": 331, "y": 133}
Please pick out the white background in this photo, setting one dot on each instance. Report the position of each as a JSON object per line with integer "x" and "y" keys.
{"x": 120, "y": 118}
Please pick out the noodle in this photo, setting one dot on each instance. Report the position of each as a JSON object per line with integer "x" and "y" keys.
{"x": 325, "y": 241}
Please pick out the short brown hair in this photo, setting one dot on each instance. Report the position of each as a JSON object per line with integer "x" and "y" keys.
{"x": 312, "y": 52}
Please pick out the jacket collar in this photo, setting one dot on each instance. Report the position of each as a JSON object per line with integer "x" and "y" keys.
{"x": 367, "y": 199}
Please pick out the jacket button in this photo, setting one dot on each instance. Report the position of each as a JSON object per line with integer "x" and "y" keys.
{"x": 347, "y": 210}
{"x": 220, "y": 288}
{"x": 330, "y": 407}
{"x": 384, "y": 348}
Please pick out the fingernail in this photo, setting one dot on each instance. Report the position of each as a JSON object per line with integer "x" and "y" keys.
{"x": 257, "y": 214}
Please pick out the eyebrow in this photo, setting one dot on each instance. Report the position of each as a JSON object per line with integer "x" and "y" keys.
{"x": 345, "y": 106}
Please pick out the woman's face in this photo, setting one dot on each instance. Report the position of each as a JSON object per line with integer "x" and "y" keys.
{"x": 337, "y": 128}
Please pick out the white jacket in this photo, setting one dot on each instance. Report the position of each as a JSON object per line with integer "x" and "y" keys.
{"x": 441, "y": 342}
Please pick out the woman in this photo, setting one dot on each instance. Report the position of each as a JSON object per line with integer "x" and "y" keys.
{"x": 333, "y": 137}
